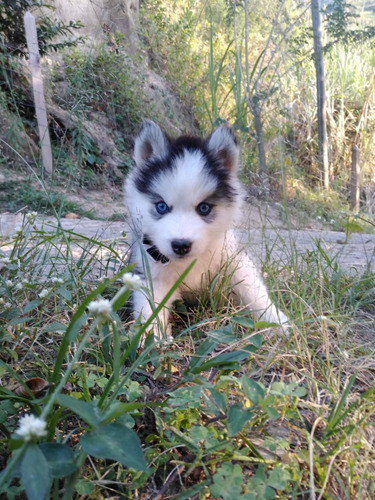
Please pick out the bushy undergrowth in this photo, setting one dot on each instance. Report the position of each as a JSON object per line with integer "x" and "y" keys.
{"x": 228, "y": 409}
{"x": 105, "y": 80}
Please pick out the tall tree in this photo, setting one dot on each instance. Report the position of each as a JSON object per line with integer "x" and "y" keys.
{"x": 321, "y": 93}
{"x": 253, "y": 78}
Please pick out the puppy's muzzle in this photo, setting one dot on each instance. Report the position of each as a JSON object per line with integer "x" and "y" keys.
{"x": 181, "y": 247}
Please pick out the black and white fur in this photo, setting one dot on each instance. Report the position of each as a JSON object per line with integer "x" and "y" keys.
{"x": 183, "y": 198}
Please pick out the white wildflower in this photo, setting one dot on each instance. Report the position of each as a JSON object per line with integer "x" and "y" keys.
{"x": 100, "y": 307}
{"x": 43, "y": 293}
{"x": 30, "y": 216}
{"x": 9, "y": 283}
{"x": 344, "y": 353}
{"x": 19, "y": 286}
{"x": 31, "y": 427}
{"x": 58, "y": 281}
{"x": 132, "y": 281}
{"x": 167, "y": 340}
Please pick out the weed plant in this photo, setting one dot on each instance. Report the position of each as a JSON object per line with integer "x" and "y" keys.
{"x": 228, "y": 409}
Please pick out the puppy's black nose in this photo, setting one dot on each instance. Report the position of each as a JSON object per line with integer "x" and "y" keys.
{"x": 181, "y": 247}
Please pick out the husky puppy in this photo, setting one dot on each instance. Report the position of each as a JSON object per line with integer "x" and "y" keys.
{"x": 183, "y": 197}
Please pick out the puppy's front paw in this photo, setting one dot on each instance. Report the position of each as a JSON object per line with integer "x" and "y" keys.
{"x": 283, "y": 321}
{"x": 274, "y": 315}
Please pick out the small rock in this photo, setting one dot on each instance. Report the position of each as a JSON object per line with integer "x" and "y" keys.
{"x": 72, "y": 215}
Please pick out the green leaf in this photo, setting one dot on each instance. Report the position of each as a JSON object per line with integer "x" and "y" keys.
{"x": 84, "y": 487}
{"x": 184, "y": 438}
{"x": 223, "y": 335}
{"x": 115, "y": 442}
{"x": 54, "y": 327}
{"x": 62, "y": 291}
{"x": 198, "y": 433}
{"x": 91, "y": 158}
{"x": 117, "y": 408}
{"x": 204, "y": 349}
{"x": 256, "y": 340}
{"x": 299, "y": 392}
{"x": 337, "y": 414}
{"x": 120, "y": 298}
{"x": 88, "y": 411}
{"x": 279, "y": 388}
{"x": 292, "y": 389}
{"x": 35, "y": 473}
{"x": 188, "y": 396}
{"x": 246, "y": 322}
{"x": 272, "y": 413}
{"x": 17, "y": 321}
{"x": 261, "y": 325}
{"x": 60, "y": 459}
{"x": 31, "y": 305}
{"x": 227, "y": 482}
{"x": 259, "y": 484}
{"x": 191, "y": 492}
{"x": 253, "y": 390}
{"x": 74, "y": 327}
{"x": 219, "y": 399}
{"x": 237, "y": 418}
{"x": 226, "y": 360}
{"x": 278, "y": 478}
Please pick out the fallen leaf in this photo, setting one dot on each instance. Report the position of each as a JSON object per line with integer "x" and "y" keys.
{"x": 36, "y": 385}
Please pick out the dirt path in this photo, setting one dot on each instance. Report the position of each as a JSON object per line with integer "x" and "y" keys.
{"x": 281, "y": 244}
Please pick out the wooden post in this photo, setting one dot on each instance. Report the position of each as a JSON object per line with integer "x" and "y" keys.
{"x": 355, "y": 180}
{"x": 38, "y": 90}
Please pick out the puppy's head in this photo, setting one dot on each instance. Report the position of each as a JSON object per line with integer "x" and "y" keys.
{"x": 182, "y": 193}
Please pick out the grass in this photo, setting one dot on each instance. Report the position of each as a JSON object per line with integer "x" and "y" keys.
{"x": 229, "y": 409}
{"x": 17, "y": 195}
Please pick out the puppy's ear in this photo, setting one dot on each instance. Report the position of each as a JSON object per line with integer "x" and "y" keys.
{"x": 150, "y": 142}
{"x": 222, "y": 143}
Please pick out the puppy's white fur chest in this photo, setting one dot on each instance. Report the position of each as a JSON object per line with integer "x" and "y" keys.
{"x": 206, "y": 265}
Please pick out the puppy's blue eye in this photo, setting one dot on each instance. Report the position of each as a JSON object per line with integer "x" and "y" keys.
{"x": 161, "y": 207}
{"x": 204, "y": 208}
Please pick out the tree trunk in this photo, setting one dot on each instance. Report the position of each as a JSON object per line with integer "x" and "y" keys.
{"x": 321, "y": 93}
{"x": 253, "y": 103}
